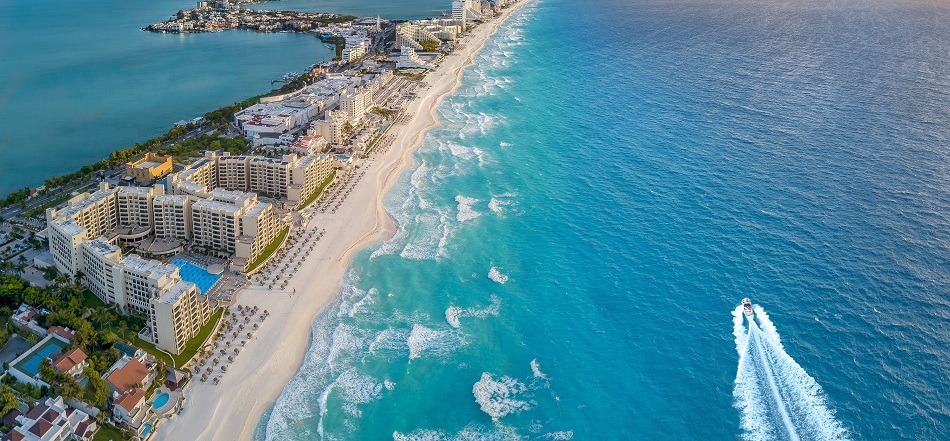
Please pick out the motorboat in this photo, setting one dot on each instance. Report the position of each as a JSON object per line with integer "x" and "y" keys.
{"x": 747, "y": 306}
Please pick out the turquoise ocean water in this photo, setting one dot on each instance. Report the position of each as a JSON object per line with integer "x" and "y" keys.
{"x": 609, "y": 181}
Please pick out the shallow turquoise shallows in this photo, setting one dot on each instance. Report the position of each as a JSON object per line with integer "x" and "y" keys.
{"x": 609, "y": 182}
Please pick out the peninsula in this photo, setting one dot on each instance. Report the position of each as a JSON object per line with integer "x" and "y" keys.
{"x": 187, "y": 246}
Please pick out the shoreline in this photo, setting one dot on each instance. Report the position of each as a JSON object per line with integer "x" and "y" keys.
{"x": 233, "y": 409}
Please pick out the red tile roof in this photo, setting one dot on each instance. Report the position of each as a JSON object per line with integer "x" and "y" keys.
{"x": 130, "y": 376}
{"x": 130, "y": 400}
{"x": 69, "y": 360}
{"x": 62, "y": 332}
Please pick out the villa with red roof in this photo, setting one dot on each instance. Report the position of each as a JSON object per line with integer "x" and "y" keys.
{"x": 129, "y": 408}
{"x": 129, "y": 373}
{"x": 72, "y": 362}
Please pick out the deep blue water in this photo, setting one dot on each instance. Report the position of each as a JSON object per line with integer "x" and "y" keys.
{"x": 630, "y": 170}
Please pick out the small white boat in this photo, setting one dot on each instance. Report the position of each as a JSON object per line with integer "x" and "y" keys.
{"x": 747, "y": 306}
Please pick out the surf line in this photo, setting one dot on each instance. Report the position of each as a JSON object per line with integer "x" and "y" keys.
{"x": 766, "y": 365}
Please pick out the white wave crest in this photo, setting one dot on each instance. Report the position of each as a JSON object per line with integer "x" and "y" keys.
{"x": 355, "y": 389}
{"x": 424, "y": 340}
{"x": 496, "y": 276}
{"x": 465, "y": 210}
{"x": 563, "y": 435}
{"x": 536, "y": 370}
{"x": 499, "y": 398}
{"x": 453, "y": 314}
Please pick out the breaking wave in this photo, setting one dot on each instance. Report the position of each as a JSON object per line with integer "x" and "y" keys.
{"x": 453, "y": 314}
{"x": 499, "y": 398}
{"x": 496, "y": 276}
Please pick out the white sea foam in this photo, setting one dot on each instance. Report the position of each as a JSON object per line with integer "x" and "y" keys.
{"x": 499, "y": 398}
{"x": 503, "y": 204}
{"x": 776, "y": 398}
{"x": 423, "y": 340}
{"x": 504, "y": 144}
{"x": 389, "y": 339}
{"x": 536, "y": 370}
{"x": 465, "y": 210}
{"x": 453, "y": 314}
{"x": 496, "y": 275}
{"x": 356, "y": 389}
{"x": 563, "y": 435}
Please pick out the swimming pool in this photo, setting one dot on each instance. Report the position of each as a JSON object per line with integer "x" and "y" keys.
{"x": 160, "y": 400}
{"x": 146, "y": 429}
{"x": 196, "y": 274}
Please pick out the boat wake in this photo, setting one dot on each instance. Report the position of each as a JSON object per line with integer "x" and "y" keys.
{"x": 777, "y": 399}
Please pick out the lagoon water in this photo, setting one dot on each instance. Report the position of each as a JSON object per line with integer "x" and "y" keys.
{"x": 609, "y": 181}
{"x": 79, "y": 79}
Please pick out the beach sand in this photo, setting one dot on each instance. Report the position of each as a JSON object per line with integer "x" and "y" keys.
{"x": 232, "y": 409}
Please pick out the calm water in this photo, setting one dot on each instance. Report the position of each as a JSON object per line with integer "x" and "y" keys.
{"x": 79, "y": 79}
{"x": 611, "y": 179}
{"x": 395, "y": 9}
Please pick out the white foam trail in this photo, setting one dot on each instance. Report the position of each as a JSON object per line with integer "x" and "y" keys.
{"x": 777, "y": 399}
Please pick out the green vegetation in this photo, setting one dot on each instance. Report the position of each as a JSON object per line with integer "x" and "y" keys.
{"x": 62, "y": 384}
{"x": 269, "y": 249}
{"x": 318, "y": 191}
{"x": 96, "y": 329}
{"x": 192, "y": 147}
{"x": 384, "y": 112}
{"x": 429, "y": 46}
{"x": 16, "y": 197}
{"x": 191, "y": 348}
{"x": 8, "y": 399}
{"x": 40, "y": 211}
{"x": 108, "y": 432}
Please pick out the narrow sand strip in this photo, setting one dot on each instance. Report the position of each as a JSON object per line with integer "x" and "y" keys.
{"x": 232, "y": 409}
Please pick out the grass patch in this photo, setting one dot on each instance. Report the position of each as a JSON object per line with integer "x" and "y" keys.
{"x": 269, "y": 249}
{"x": 108, "y": 432}
{"x": 318, "y": 191}
{"x": 89, "y": 300}
{"x": 191, "y": 348}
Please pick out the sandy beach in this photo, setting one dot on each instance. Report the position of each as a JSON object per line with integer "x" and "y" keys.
{"x": 232, "y": 409}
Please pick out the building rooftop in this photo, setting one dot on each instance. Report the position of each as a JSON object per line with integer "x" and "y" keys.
{"x": 69, "y": 360}
{"x": 174, "y": 293}
{"x": 153, "y": 269}
{"x": 128, "y": 373}
{"x": 131, "y": 399}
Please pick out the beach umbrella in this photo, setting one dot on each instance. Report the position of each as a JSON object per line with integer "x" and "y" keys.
{"x": 248, "y": 335}
{"x": 243, "y": 342}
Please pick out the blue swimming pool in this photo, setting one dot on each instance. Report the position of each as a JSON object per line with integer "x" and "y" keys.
{"x": 196, "y": 274}
{"x": 146, "y": 429}
{"x": 160, "y": 400}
